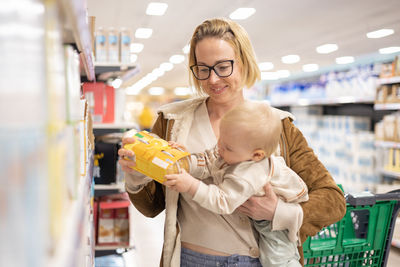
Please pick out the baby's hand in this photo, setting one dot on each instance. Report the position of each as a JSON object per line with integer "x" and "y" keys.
{"x": 175, "y": 145}
{"x": 182, "y": 182}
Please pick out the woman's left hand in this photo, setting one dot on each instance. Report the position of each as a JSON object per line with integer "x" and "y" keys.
{"x": 261, "y": 208}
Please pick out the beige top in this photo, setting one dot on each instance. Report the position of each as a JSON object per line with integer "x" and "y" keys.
{"x": 202, "y": 227}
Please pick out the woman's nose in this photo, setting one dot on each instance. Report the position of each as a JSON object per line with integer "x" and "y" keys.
{"x": 213, "y": 77}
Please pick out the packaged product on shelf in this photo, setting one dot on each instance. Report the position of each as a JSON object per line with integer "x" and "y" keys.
{"x": 125, "y": 46}
{"x": 73, "y": 84}
{"x": 379, "y": 131}
{"x": 386, "y": 70}
{"x": 393, "y": 160}
{"x": 106, "y": 224}
{"x": 397, "y": 66}
{"x": 113, "y": 219}
{"x": 113, "y": 45}
{"x": 105, "y": 164}
{"x": 390, "y": 128}
{"x": 396, "y": 92}
{"x": 121, "y": 225}
{"x": 101, "y": 100}
{"x": 381, "y": 94}
{"x": 101, "y": 46}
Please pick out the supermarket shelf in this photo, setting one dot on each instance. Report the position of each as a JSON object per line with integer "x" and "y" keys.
{"x": 120, "y": 68}
{"x": 387, "y": 106}
{"x": 116, "y": 65}
{"x": 123, "y": 125}
{"x": 77, "y": 217}
{"x": 119, "y": 186}
{"x": 363, "y": 60}
{"x": 325, "y": 101}
{"x": 390, "y": 80}
{"x": 75, "y": 14}
{"x": 113, "y": 247}
{"x": 387, "y": 144}
{"x": 390, "y": 173}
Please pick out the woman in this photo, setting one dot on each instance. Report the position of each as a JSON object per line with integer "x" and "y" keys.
{"x": 222, "y": 64}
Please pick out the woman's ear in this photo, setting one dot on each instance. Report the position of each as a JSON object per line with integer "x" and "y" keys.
{"x": 258, "y": 155}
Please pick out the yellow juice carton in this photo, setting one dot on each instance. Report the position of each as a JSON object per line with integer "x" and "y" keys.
{"x": 155, "y": 158}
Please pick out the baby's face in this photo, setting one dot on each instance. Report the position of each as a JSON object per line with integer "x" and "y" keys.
{"x": 232, "y": 145}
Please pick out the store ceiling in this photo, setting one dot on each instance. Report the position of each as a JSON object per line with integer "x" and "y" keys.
{"x": 278, "y": 28}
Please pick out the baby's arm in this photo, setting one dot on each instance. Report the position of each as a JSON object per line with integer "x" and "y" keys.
{"x": 225, "y": 197}
{"x": 201, "y": 163}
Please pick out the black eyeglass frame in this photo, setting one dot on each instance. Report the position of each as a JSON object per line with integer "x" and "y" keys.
{"x": 210, "y": 68}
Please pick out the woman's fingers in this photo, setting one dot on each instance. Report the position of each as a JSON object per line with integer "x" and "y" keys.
{"x": 128, "y": 140}
{"x": 126, "y": 153}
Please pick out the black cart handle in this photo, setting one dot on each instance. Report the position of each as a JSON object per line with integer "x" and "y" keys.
{"x": 366, "y": 199}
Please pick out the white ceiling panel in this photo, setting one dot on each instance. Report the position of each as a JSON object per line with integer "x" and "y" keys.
{"x": 278, "y": 28}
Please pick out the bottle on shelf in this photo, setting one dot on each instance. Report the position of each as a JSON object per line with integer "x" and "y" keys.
{"x": 101, "y": 45}
{"x": 112, "y": 41}
{"x": 125, "y": 46}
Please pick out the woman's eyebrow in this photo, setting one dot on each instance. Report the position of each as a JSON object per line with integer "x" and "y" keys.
{"x": 216, "y": 62}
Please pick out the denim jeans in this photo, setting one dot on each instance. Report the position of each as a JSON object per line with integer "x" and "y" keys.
{"x": 191, "y": 258}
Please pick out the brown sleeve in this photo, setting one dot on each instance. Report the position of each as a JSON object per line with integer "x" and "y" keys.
{"x": 326, "y": 204}
{"x": 150, "y": 201}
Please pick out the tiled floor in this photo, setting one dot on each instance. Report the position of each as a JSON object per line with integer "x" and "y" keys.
{"x": 147, "y": 236}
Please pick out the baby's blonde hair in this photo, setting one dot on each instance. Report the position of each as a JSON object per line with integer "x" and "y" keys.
{"x": 258, "y": 123}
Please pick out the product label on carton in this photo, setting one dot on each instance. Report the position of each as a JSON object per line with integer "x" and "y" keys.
{"x": 106, "y": 226}
{"x": 121, "y": 225}
{"x": 159, "y": 162}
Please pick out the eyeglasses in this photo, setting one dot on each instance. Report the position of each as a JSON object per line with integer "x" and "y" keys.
{"x": 223, "y": 69}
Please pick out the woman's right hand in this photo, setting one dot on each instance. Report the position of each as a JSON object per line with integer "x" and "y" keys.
{"x": 127, "y": 157}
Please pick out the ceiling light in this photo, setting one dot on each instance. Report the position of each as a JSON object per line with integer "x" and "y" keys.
{"x": 133, "y": 58}
{"x": 327, "y": 48}
{"x": 136, "y": 48}
{"x": 182, "y": 91}
{"x": 380, "y": 33}
{"x": 310, "y": 67}
{"x": 290, "y": 59}
{"x": 389, "y": 50}
{"x": 176, "y": 59}
{"x": 150, "y": 77}
{"x": 283, "y": 73}
{"x": 133, "y": 90}
{"x": 156, "y": 90}
{"x": 156, "y": 9}
{"x": 166, "y": 66}
{"x": 186, "y": 49}
{"x": 242, "y": 13}
{"x": 117, "y": 83}
{"x": 265, "y": 66}
{"x": 344, "y": 60}
{"x": 268, "y": 75}
{"x": 158, "y": 72}
{"x": 143, "y": 33}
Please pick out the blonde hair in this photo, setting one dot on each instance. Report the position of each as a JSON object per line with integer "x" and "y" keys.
{"x": 237, "y": 37}
{"x": 258, "y": 123}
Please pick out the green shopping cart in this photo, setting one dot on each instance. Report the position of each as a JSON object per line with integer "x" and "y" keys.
{"x": 362, "y": 238}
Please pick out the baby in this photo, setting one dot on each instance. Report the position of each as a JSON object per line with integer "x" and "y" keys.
{"x": 240, "y": 165}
